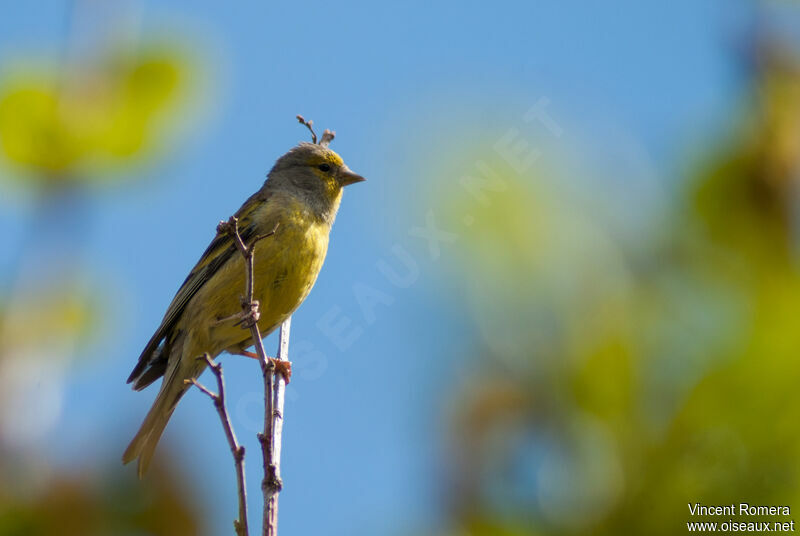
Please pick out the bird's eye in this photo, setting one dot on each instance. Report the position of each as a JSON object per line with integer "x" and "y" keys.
{"x": 324, "y": 167}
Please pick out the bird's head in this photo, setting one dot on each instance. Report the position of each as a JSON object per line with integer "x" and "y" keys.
{"x": 309, "y": 164}
{"x": 314, "y": 173}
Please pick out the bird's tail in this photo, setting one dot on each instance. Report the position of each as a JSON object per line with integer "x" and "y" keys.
{"x": 144, "y": 443}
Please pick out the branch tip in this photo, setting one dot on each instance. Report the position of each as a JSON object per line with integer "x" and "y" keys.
{"x": 239, "y": 524}
{"x": 274, "y": 383}
{"x": 327, "y": 137}
{"x": 309, "y": 124}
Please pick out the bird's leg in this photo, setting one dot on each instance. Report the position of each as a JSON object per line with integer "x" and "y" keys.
{"x": 246, "y": 318}
{"x": 284, "y": 368}
{"x": 245, "y": 353}
{"x": 250, "y": 314}
{"x": 226, "y": 319}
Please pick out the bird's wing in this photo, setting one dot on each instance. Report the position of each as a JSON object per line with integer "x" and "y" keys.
{"x": 156, "y": 352}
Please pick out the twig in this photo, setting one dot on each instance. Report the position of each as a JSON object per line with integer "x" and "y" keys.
{"x": 240, "y": 524}
{"x": 270, "y": 439}
{"x": 309, "y": 124}
{"x": 327, "y": 137}
{"x": 275, "y": 483}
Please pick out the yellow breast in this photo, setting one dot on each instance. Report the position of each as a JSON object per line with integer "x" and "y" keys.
{"x": 286, "y": 271}
{"x": 286, "y": 265}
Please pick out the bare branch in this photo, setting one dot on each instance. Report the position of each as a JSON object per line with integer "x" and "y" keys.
{"x": 275, "y": 481}
{"x": 327, "y": 137}
{"x": 270, "y": 438}
{"x": 214, "y": 396}
{"x": 310, "y": 127}
{"x": 240, "y": 524}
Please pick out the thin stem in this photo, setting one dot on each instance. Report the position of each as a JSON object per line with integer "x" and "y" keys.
{"x": 276, "y": 483}
{"x": 270, "y": 438}
{"x": 327, "y": 137}
{"x": 309, "y": 124}
{"x": 240, "y": 524}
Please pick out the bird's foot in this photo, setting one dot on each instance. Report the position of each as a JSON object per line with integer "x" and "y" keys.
{"x": 284, "y": 368}
{"x": 249, "y": 315}
{"x": 246, "y": 318}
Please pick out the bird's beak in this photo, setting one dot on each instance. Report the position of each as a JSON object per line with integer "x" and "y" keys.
{"x": 346, "y": 176}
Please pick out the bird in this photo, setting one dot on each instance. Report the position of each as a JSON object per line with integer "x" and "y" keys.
{"x": 295, "y": 209}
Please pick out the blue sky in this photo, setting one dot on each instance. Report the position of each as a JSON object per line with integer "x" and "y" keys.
{"x": 363, "y": 425}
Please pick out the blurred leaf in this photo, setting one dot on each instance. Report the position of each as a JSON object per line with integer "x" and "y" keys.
{"x": 32, "y": 131}
{"x": 94, "y": 505}
{"x": 69, "y": 126}
{"x": 66, "y": 307}
{"x": 616, "y": 384}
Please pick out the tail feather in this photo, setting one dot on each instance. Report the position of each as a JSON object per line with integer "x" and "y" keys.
{"x": 153, "y": 362}
{"x": 144, "y": 443}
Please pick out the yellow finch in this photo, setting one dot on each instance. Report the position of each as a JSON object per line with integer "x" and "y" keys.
{"x": 298, "y": 201}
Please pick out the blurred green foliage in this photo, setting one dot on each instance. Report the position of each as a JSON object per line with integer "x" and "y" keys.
{"x": 621, "y": 380}
{"x": 63, "y": 127}
{"x": 95, "y": 505}
{"x": 98, "y": 116}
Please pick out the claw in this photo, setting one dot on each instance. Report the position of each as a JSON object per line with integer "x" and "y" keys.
{"x": 284, "y": 368}
{"x": 248, "y": 319}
